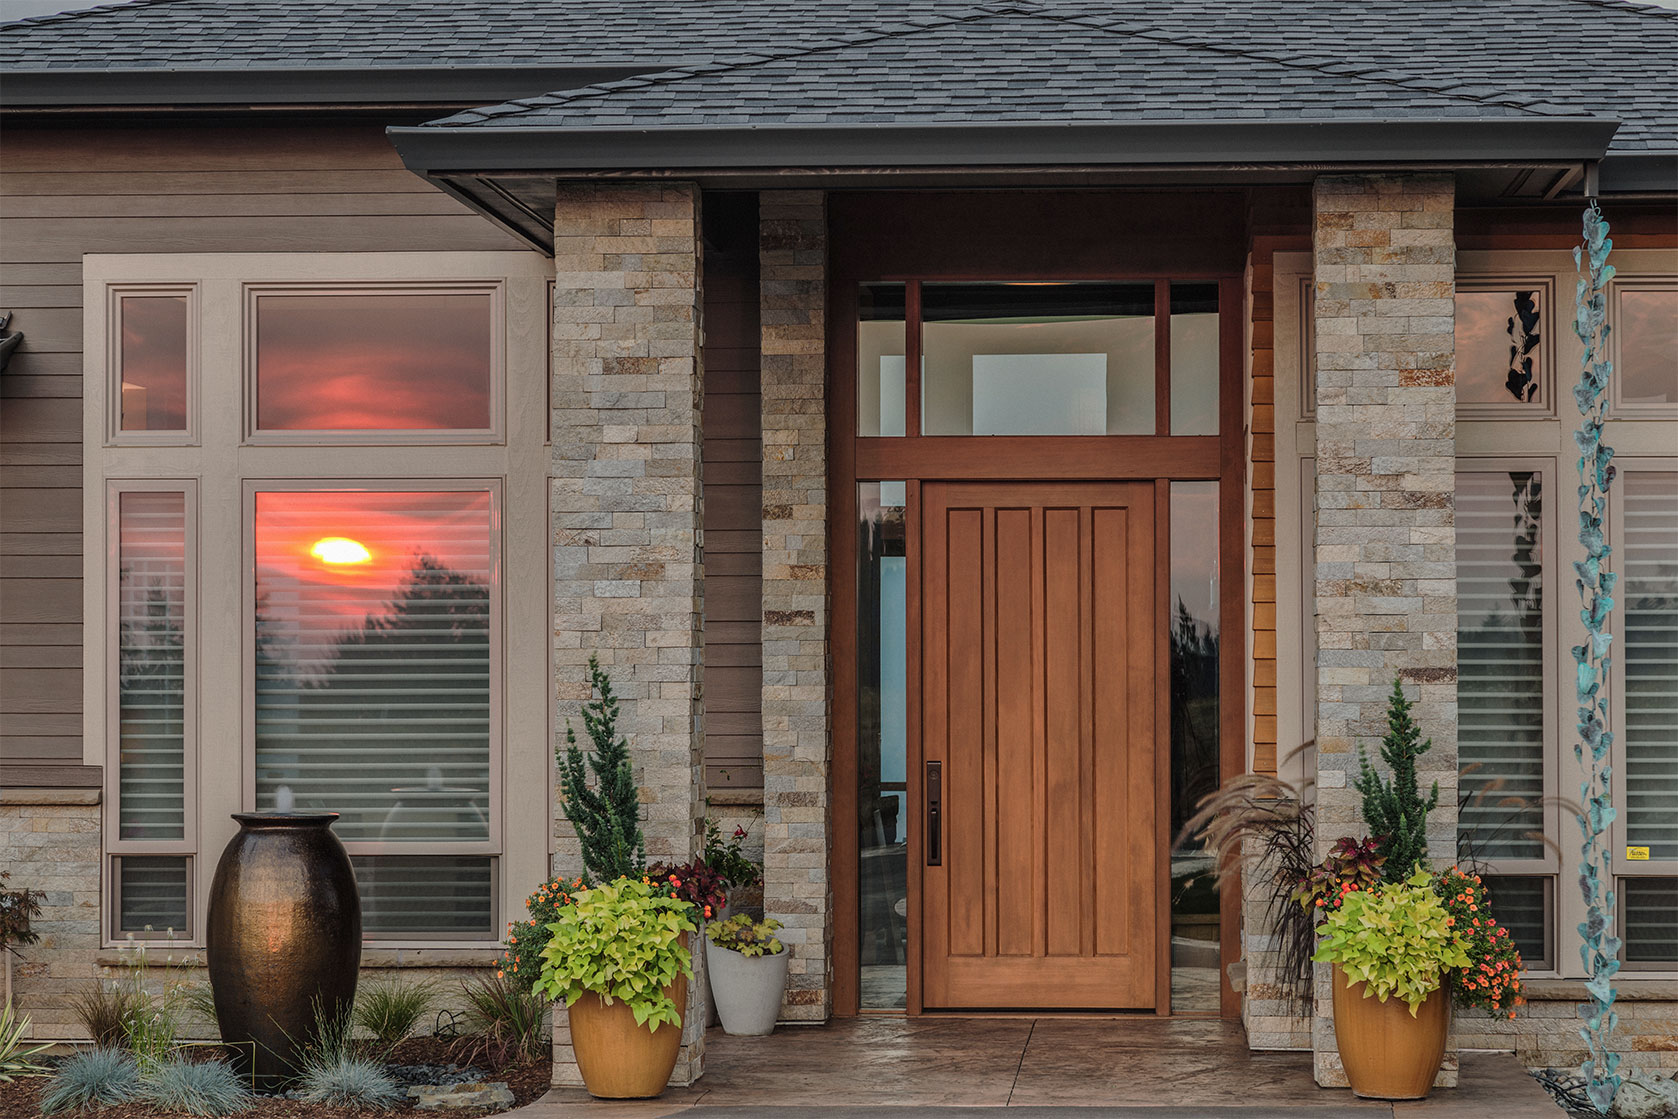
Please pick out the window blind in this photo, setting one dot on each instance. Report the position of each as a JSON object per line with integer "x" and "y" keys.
{"x": 373, "y": 660}
{"x": 1522, "y": 905}
{"x": 1500, "y": 664}
{"x": 1651, "y": 920}
{"x": 151, "y": 665}
{"x": 1649, "y": 592}
{"x": 443, "y": 895}
{"x": 152, "y": 894}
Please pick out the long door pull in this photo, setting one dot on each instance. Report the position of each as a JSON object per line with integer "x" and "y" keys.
{"x": 934, "y": 813}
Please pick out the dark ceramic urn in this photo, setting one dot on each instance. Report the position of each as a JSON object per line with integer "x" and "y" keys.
{"x": 284, "y": 936}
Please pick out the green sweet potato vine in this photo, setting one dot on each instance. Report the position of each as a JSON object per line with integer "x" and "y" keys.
{"x": 1397, "y": 940}
{"x": 621, "y": 940}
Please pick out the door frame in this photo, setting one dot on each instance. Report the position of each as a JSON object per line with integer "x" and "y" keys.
{"x": 928, "y": 237}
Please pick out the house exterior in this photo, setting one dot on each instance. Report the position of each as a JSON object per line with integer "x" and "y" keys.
{"x": 966, "y": 433}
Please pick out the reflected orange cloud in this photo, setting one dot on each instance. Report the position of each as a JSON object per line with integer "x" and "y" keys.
{"x": 348, "y": 362}
{"x": 307, "y": 598}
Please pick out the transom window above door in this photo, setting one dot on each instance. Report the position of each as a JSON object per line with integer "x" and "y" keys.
{"x": 1033, "y": 358}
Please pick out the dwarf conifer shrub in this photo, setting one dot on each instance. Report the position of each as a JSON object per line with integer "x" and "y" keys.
{"x": 1395, "y": 812}
{"x": 606, "y": 814}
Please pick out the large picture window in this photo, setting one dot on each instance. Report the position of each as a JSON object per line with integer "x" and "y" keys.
{"x": 361, "y": 521}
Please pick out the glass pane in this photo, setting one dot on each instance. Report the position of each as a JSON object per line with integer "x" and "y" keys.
{"x": 879, "y": 360}
{"x": 882, "y": 738}
{"x": 151, "y": 665}
{"x": 1194, "y": 740}
{"x": 1500, "y": 666}
{"x": 373, "y": 688}
{"x": 1194, "y": 359}
{"x": 153, "y": 359}
{"x": 1649, "y": 591}
{"x": 410, "y": 362}
{"x": 1648, "y": 334}
{"x": 152, "y": 895}
{"x": 441, "y": 895}
{"x": 1497, "y": 347}
{"x": 1037, "y": 359}
{"x": 1651, "y": 920}
{"x": 1522, "y": 905}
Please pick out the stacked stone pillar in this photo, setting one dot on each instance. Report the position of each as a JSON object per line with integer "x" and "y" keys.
{"x": 793, "y": 301}
{"x": 1385, "y": 538}
{"x": 626, "y": 493}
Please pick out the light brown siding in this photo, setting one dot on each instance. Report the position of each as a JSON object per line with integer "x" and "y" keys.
{"x": 1279, "y": 222}
{"x": 144, "y": 189}
{"x": 733, "y": 468}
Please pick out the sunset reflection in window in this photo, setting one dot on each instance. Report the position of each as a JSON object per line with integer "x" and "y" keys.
{"x": 153, "y": 362}
{"x": 403, "y": 361}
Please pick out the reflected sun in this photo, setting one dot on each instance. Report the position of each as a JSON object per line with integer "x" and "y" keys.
{"x": 340, "y": 550}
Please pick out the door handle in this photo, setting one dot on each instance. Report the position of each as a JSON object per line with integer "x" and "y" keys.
{"x": 934, "y": 813}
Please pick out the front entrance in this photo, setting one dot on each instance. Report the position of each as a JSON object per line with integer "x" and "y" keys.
{"x": 1038, "y": 669}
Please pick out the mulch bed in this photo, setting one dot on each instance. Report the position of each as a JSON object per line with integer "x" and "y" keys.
{"x": 527, "y": 1082}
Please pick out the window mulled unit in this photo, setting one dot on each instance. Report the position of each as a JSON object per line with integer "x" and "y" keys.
{"x": 411, "y": 422}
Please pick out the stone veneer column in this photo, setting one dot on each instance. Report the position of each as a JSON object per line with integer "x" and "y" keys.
{"x": 1386, "y": 596}
{"x": 628, "y": 568}
{"x": 793, "y": 254}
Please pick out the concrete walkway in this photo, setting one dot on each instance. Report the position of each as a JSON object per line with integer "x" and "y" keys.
{"x": 1042, "y": 1068}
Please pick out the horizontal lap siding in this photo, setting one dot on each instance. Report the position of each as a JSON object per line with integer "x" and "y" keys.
{"x": 733, "y": 505}
{"x": 144, "y": 190}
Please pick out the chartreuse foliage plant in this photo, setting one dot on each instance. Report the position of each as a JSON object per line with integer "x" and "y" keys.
{"x": 621, "y": 940}
{"x": 1397, "y": 940}
{"x": 743, "y": 935}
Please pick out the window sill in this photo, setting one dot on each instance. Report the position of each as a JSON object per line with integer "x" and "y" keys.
{"x": 1653, "y": 989}
{"x": 370, "y": 957}
{"x": 734, "y": 798}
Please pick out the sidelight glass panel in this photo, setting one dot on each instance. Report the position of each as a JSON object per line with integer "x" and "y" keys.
{"x": 1037, "y": 359}
{"x": 373, "y": 661}
{"x": 410, "y": 361}
{"x": 1500, "y": 665}
{"x": 1195, "y": 945}
{"x": 1194, "y": 359}
{"x": 153, "y": 362}
{"x": 1498, "y": 351}
{"x": 883, "y": 811}
{"x": 1649, "y": 593}
{"x": 1647, "y": 331}
{"x": 151, "y": 665}
{"x": 880, "y": 392}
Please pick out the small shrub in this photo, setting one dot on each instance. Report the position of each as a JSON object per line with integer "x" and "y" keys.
{"x": 522, "y": 960}
{"x": 1397, "y": 813}
{"x": 389, "y": 1011}
{"x": 91, "y": 1078}
{"x": 16, "y": 908}
{"x": 197, "y": 1088}
{"x": 695, "y": 883}
{"x": 105, "y": 1009}
{"x": 348, "y": 1082}
{"x": 1492, "y": 979}
{"x": 16, "y": 1058}
{"x": 504, "y": 1020}
{"x": 738, "y": 871}
{"x": 152, "y": 1031}
{"x": 200, "y": 998}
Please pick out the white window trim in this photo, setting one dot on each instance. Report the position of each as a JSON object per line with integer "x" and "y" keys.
{"x": 221, "y": 461}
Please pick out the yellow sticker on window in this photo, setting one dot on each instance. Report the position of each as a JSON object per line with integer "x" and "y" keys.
{"x": 1637, "y": 854}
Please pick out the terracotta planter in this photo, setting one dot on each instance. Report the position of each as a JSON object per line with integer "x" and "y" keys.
{"x": 618, "y": 1059}
{"x": 1389, "y": 1055}
{"x": 283, "y": 937}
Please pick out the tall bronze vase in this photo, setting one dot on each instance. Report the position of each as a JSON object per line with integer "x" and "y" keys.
{"x": 283, "y": 938}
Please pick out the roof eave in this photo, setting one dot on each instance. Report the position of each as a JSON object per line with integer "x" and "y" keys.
{"x": 488, "y": 149}
{"x": 85, "y": 89}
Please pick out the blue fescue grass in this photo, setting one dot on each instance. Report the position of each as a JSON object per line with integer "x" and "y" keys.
{"x": 346, "y": 1081}
{"x": 197, "y": 1088}
{"x": 91, "y": 1078}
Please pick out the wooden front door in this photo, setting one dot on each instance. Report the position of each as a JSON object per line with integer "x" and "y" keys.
{"x": 1038, "y": 659}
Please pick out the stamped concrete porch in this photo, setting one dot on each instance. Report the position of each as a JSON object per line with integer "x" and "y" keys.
{"x": 1082, "y": 1068}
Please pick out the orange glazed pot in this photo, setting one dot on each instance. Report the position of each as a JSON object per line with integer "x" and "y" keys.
{"x": 1389, "y": 1055}
{"x": 618, "y": 1059}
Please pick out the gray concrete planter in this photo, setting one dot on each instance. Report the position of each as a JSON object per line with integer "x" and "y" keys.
{"x": 748, "y": 989}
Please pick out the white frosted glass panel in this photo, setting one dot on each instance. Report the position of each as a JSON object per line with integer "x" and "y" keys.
{"x": 1194, "y": 359}
{"x": 1039, "y": 394}
{"x": 893, "y": 393}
